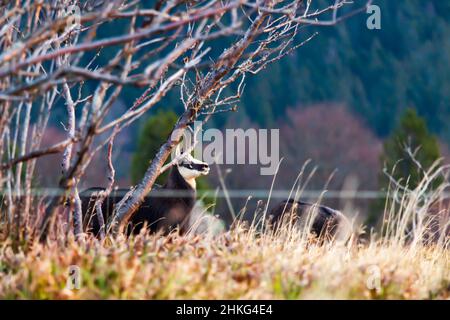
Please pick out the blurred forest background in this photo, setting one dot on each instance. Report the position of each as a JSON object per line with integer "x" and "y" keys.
{"x": 341, "y": 101}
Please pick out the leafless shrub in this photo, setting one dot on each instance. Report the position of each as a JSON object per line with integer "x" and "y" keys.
{"x": 50, "y": 49}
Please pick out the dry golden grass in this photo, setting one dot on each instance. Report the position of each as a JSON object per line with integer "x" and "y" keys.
{"x": 235, "y": 265}
{"x": 245, "y": 263}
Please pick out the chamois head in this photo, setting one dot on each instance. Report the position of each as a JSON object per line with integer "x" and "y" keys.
{"x": 189, "y": 167}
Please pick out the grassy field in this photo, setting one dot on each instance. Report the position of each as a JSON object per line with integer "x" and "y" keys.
{"x": 408, "y": 260}
{"x": 236, "y": 265}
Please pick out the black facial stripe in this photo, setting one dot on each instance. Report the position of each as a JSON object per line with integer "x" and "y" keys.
{"x": 194, "y": 166}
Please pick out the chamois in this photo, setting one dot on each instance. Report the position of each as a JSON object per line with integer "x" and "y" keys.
{"x": 164, "y": 208}
{"x": 326, "y": 222}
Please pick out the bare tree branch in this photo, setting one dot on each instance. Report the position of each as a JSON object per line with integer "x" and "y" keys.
{"x": 45, "y": 51}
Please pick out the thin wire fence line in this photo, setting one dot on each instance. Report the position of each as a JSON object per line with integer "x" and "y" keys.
{"x": 243, "y": 193}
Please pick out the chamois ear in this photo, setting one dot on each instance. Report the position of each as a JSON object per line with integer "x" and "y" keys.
{"x": 183, "y": 146}
{"x": 178, "y": 150}
{"x": 188, "y": 141}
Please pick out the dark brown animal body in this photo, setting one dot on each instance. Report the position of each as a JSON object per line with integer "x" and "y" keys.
{"x": 165, "y": 208}
{"x": 326, "y": 221}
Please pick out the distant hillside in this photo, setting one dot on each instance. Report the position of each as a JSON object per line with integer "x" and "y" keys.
{"x": 377, "y": 73}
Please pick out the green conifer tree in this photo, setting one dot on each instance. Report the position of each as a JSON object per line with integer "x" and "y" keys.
{"x": 412, "y": 133}
{"x": 151, "y": 136}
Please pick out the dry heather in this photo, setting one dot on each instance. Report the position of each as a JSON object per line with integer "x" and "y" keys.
{"x": 235, "y": 265}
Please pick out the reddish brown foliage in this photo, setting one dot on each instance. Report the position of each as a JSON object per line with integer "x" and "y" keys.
{"x": 332, "y": 138}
